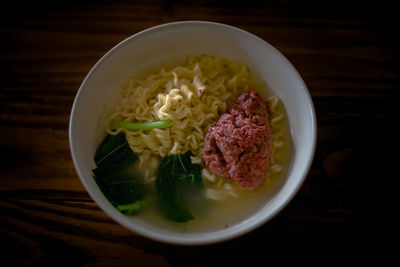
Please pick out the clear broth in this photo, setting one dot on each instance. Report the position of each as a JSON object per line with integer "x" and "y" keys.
{"x": 217, "y": 214}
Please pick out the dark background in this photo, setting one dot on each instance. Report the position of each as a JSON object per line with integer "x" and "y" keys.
{"x": 347, "y": 53}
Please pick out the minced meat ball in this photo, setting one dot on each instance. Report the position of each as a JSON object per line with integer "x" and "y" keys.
{"x": 238, "y": 144}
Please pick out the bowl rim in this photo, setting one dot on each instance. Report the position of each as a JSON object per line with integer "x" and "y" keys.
{"x": 206, "y": 240}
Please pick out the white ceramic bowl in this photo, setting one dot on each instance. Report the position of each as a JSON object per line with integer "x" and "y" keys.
{"x": 174, "y": 41}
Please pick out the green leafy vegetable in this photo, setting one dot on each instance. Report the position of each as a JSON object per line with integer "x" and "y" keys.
{"x": 145, "y": 126}
{"x": 177, "y": 181}
{"x": 120, "y": 189}
{"x": 114, "y": 153}
{"x": 125, "y": 192}
{"x": 131, "y": 208}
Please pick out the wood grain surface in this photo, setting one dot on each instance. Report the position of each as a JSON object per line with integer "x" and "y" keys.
{"x": 347, "y": 53}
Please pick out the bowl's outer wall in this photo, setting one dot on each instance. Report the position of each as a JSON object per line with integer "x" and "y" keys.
{"x": 174, "y": 42}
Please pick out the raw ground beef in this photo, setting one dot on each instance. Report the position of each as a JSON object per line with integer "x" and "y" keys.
{"x": 238, "y": 144}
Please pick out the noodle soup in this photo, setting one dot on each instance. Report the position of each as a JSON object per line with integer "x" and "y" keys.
{"x": 179, "y": 105}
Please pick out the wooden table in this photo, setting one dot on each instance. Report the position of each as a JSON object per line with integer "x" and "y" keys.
{"x": 348, "y": 57}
